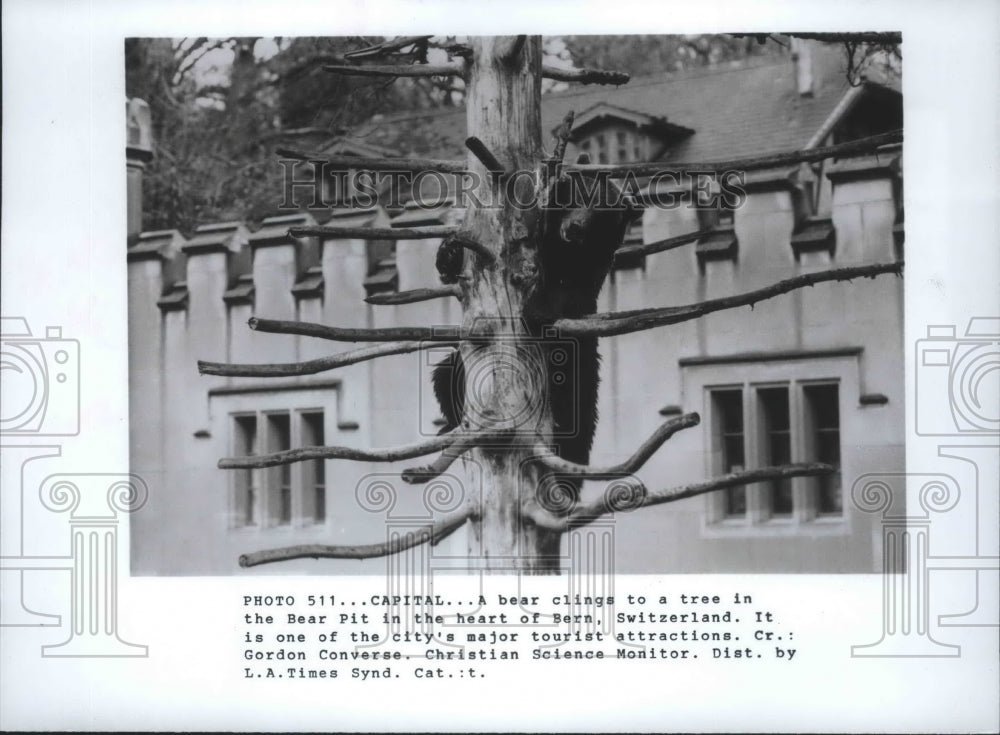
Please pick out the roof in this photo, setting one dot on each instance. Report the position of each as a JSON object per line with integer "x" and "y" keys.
{"x": 742, "y": 109}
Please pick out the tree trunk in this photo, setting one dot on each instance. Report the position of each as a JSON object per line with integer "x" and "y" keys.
{"x": 505, "y": 380}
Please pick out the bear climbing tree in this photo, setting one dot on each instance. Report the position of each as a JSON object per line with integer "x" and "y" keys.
{"x": 527, "y": 269}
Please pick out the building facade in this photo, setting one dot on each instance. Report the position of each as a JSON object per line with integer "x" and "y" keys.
{"x": 816, "y": 374}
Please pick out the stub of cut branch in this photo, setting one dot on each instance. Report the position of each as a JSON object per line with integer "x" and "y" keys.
{"x": 562, "y": 137}
{"x": 631, "y": 465}
{"x": 351, "y": 334}
{"x": 357, "y": 454}
{"x": 414, "y": 296}
{"x": 861, "y": 147}
{"x": 464, "y": 240}
{"x": 627, "y": 322}
{"x": 432, "y": 232}
{"x": 436, "y": 533}
{"x": 660, "y": 246}
{"x": 485, "y": 156}
{"x": 402, "y": 70}
{"x": 360, "y": 163}
{"x": 644, "y": 498}
{"x": 310, "y": 367}
{"x": 426, "y": 473}
{"x": 585, "y": 76}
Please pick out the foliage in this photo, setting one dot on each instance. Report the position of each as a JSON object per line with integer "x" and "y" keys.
{"x": 221, "y": 106}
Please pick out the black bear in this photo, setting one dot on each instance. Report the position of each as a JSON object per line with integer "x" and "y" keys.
{"x": 585, "y": 223}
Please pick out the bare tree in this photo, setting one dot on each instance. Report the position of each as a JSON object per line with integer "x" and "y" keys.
{"x": 503, "y": 253}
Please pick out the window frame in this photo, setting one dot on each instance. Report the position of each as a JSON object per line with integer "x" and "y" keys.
{"x": 702, "y": 375}
{"x": 758, "y": 501}
{"x": 252, "y": 490}
{"x": 267, "y": 481}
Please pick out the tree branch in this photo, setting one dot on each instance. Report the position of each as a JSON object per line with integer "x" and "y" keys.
{"x": 843, "y": 150}
{"x": 485, "y": 156}
{"x": 465, "y": 240}
{"x": 406, "y": 70}
{"x": 853, "y": 148}
{"x": 361, "y": 163}
{"x": 879, "y": 37}
{"x": 662, "y": 245}
{"x": 345, "y": 334}
{"x": 631, "y": 465}
{"x": 310, "y": 367}
{"x": 426, "y": 473}
{"x": 292, "y": 133}
{"x": 585, "y": 76}
{"x": 626, "y": 322}
{"x": 414, "y": 296}
{"x": 356, "y": 454}
{"x": 432, "y": 232}
{"x": 439, "y": 531}
{"x": 387, "y": 47}
{"x": 643, "y": 498}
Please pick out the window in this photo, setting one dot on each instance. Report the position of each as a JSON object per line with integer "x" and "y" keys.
{"x": 285, "y": 495}
{"x": 823, "y": 444}
{"x": 775, "y": 424}
{"x": 614, "y": 146}
{"x": 728, "y": 411}
{"x": 247, "y": 501}
{"x": 280, "y": 485}
{"x": 776, "y": 434}
{"x": 315, "y": 480}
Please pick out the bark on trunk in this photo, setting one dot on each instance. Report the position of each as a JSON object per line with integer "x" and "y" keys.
{"x": 504, "y": 378}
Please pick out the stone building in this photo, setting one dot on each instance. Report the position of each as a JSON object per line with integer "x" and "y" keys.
{"x": 814, "y": 374}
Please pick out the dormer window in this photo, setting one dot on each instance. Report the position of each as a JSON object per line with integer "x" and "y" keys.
{"x": 611, "y": 134}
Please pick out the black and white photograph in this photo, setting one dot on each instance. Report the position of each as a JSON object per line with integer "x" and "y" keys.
{"x": 531, "y": 367}
{"x": 533, "y": 261}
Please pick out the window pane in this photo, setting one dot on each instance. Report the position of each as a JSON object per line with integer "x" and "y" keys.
{"x": 776, "y": 443}
{"x": 245, "y": 434}
{"x": 736, "y": 501}
{"x": 280, "y": 440}
{"x": 728, "y": 406}
{"x": 824, "y": 417}
{"x": 312, "y": 432}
